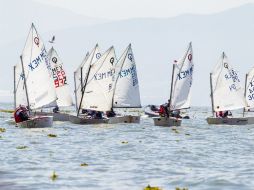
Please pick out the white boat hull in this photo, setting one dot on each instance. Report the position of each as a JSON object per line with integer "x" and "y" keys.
{"x": 56, "y": 116}
{"x": 37, "y": 122}
{"x": 112, "y": 120}
{"x": 86, "y": 121}
{"x": 124, "y": 119}
{"x": 230, "y": 121}
{"x": 167, "y": 121}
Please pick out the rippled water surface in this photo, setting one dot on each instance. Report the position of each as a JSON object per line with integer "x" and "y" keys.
{"x": 128, "y": 156}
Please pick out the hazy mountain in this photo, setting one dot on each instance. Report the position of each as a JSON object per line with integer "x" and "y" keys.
{"x": 156, "y": 43}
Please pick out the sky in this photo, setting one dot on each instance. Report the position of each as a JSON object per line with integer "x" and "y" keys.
{"x": 125, "y": 9}
{"x": 67, "y": 19}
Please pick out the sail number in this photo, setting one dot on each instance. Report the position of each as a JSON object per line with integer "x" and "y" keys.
{"x": 130, "y": 71}
{"x": 59, "y": 76}
{"x": 251, "y": 91}
{"x": 36, "y": 62}
{"x": 184, "y": 74}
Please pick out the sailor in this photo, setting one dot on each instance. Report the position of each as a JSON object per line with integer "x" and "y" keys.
{"x": 56, "y": 109}
{"x": 21, "y": 114}
{"x": 110, "y": 113}
{"x": 175, "y": 113}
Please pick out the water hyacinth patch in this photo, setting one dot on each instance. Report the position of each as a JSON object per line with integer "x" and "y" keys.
{"x": 54, "y": 176}
{"x": 21, "y": 147}
{"x": 151, "y": 188}
{"x": 84, "y": 164}
{"x": 52, "y": 135}
{"x": 2, "y": 130}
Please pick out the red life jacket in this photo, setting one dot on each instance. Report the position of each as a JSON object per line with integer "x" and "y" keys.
{"x": 18, "y": 112}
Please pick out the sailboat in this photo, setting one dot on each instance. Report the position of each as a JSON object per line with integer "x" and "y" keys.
{"x": 226, "y": 93}
{"x": 249, "y": 91}
{"x": 80, "y": 81}
{"x": 60, "y": 81}
{"x": 180, "y": 88}
{"x": 126, "y": 88}
{"x": 33, "y": 85}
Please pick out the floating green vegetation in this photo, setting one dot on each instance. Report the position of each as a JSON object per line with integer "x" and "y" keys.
{"x": 175, "y": 130}
{"x": 2, "y": 130}
{"x": 52, "y": 135}
{"x": 21, "y": 147}
{"x": 178, "y": 188}
{"x": 187, "y": 134}
{"x": 6, "y": 111}
{"x": 151, "y": 188}
{"x": 124, "y": 142}
{"x": 54, "y": 176}
{"x": 84, "y": 164}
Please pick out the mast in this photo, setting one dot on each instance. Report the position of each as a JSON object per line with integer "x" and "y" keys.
{"x": 14, "y": 91}
{"x": 211, "y": 88}
{"x": 83, "y": 88}
{"x": 245, "y": 89}
{"x": 75, "y": 91}
{"x": 171, "y": 88}
{"x": 23, "y": 72}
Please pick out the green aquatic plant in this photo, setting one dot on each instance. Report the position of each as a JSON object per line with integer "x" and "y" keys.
{"x": 54, "y": 176}
{"x": 124, "y": 142}
{"x": 6, "y": 111}
{"x": 151, "y": 188}
{"x": 52, "y": 135}
{"x": 178, "y": 188}
{"x": 2, "y": 130}
{"x": 187, "y": 134}
{"x": 21, "y": 147}
{"x": 84, "y": 164}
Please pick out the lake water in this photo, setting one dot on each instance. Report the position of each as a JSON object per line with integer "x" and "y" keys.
{"x": 128, "y": 156}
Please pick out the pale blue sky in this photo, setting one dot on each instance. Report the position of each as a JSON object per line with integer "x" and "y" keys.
{"x": 122, "y": 9}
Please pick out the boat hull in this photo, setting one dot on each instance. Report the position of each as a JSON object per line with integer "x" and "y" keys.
{"x": 86, "y": 121}
{"x": 230, "y": 121}
{"x": 56, "y": 116}
{"x": 167, "y": 121}
{"x": 111, "y": 120}
{"x": 124, "y": 119}
{"x": 37, "y": 122}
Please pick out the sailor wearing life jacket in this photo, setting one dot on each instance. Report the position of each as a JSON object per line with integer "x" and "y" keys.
{"x": 21, "y": 114}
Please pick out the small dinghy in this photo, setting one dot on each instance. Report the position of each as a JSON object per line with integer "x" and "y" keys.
{"x": 180, "y": 90}
{"x": 226, "y": 94}
{"x": 33, "y": 84}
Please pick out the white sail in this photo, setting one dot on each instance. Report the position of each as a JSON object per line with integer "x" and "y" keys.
{"x": 227, "y": 92}
{"x": 40, "y": 87}
{"x": 182, "y": 81}
{"x": 81, "y": 72}
{"x": 250, "y": 89}
{"x": 20, "y": 93}
{"x": 60, "y": 80}
{"x": 99, "y": 88}
{"x": 78, "y": 84}
{"x": 126, "y": 85}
